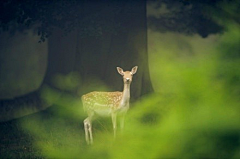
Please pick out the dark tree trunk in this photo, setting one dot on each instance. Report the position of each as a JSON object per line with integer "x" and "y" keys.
{"x": 126, "y": 47}
{"x": 61, "y": 55}
{"x": 95, "y": 58}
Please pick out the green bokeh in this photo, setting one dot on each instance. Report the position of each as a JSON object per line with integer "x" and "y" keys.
{"x": 194, "y": 112}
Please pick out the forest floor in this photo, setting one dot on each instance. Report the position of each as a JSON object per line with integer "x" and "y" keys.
{"x": 15, "y": 142}
{"x": 40, "y": 134}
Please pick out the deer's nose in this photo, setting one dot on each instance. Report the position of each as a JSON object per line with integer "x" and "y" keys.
{"x": 127, "y": 79}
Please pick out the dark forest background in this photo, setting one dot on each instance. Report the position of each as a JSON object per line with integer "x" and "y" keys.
{"x": 86, "y": 40}
{"x": 184, "y": 97}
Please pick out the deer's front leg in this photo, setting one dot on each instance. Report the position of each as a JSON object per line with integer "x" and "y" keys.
{"x": 114, "y": 121}
{"x": 88, "y": 130}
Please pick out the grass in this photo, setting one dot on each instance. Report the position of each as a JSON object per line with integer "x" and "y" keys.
{"x": 51, "y": 133}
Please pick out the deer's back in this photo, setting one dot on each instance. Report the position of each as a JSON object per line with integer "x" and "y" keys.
{"x": 95, "y": 100}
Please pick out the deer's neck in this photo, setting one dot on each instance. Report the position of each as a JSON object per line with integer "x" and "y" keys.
{"x": 126, "y": 95}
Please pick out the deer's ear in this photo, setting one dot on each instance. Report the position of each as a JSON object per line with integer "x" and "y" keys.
{"x": 120, "y": 70}
{"x": 134, "y": 70}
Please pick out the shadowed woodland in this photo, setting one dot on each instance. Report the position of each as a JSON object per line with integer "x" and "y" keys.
{"x": 184, "y": 97}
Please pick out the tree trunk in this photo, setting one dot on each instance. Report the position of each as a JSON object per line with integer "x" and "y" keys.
{"x": 99, "y": 56}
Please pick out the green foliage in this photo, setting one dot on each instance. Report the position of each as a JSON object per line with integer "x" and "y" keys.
{"x": 193, "y": 114}
{"x": 90, "y": 18}
{"x": 184, "y": 16}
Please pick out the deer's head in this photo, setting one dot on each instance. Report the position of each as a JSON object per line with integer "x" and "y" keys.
{"x": 127, "y": 75}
